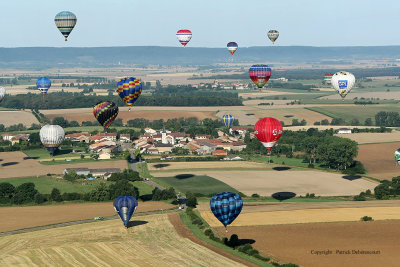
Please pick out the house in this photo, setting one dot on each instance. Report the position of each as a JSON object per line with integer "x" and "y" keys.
{"x": 153, "y": 150}
{"x": 7, "y": 136}
{"x": 82, "y": 137}
{"x": 238, "y": 130}
{"x": 104, "y": 172}
{"x": 238, "y": 146}
{"x": 206, "y": 147}
{"x": 202, "y": 136}
{"x": 106, "y": 136}
{"x": 344, "y": 131}
{"x": 163, "y": 148}
{"x": 104, "y": 155}
{"x": 79, "y": 171}
{"x": 15, "y": 138}
{"x": 150, "y": 131}
{"x": 219, "y": 152}
{"x": 126, "y": 138}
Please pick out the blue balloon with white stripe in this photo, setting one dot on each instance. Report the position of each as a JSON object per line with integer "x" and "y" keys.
{"x": 226, "y": 206}
{"x": 228, "y": 120}
{"x": 125, "y": 206}
{"x": 43, "y": 84}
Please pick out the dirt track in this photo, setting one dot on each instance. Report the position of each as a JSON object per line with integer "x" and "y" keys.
{"x": 295, "y": 243}
{"x": 13, "y": 218}
{"x": 17, "y": 164}
{"x": 378, "y": 159}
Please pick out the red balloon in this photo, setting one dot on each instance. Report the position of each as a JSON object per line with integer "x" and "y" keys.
{"x": 268, "y": 131}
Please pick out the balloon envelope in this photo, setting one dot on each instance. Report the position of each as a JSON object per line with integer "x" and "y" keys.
{"x": 125, "y": 206}
{"x": 2, "y": 93}
{"x": 184, "y": 36}
{"x": 226, "y": 207}
{"x": 51, "y": 137}
{"x": 43, "y": 84}
{"x": 105, "y": 113}
{"x": 129, "y": 90}
{"x": 273, "y": 35}
{"x": 268, "y": 131}
{"x": 397, "y": 156}
{"x": 228, "y": 119}
{"x": 232, "y": 47}
{"x": 260, "y": 74}
{"x": 65, "y": 22}
{"x": 343, "y": 81}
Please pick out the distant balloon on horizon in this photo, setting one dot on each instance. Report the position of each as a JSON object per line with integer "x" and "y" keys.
{"x": 65, "y": 22}
{"x": 184, "y": 36}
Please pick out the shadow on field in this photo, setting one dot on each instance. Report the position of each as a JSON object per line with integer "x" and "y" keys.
{"x": 62, "y": 152}
{"x": 9, "y": 163}
{"x": 184, "y": 176}
{"x": 25, "y": 158}
{"x": 159, "y": 166}
{"x": 283, "y": 195}
{"x": 281, "y": 168}
{"x": 146, "y": 197}
{"x": 249, "y": 114}
{"x": 1, "y": 159}
{"x": 136, "y": 223}
{"x": 351, "y": 177}
{"x": 288, "y": 116}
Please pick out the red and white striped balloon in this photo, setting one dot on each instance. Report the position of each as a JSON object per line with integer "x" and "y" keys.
{"x": 268, "y": 131}
{"x": 184, "y": 36}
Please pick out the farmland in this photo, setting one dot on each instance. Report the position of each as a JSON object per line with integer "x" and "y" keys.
{"x": 8, "y": 118}
{"x": 107, "y": 243}
{"x": 298, "y": 243}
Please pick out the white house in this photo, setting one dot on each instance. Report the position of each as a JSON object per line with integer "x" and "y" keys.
{"x": 344, "y": 131}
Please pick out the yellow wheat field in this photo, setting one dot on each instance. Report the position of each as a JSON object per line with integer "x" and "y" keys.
{"x": 308, "y": 216}
{"x": 153, "y": 241}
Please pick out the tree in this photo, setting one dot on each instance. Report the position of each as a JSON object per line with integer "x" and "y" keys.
{"x": 337, "y": 121}
{"x": 55, "y": 195}
{"x": 60, "y": 121}
{"x": 355, "y": 122}
{"x": 382, "y": 191}
{"x": 70, "y": 175}
{"x": 191, "y": 200}
{"x": 123, "y": 188}
{"x": 324, "y": 122}
{"x": 24, "y": 193}
{"x": 368, "y": 122}
{"x": 337, "y": 152}
{"x": 7, "y": 192}
{"x": 101, "y": 193}
{"x": 39, "y": 198}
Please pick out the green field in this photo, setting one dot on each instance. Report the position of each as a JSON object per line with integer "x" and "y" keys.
{"x": 45, "y": 184}
{"x": 354, "y": 112}
{"x": 197, "y": 184}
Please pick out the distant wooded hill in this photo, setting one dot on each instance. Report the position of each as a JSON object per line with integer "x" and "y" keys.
{"x": 48, "y": 57}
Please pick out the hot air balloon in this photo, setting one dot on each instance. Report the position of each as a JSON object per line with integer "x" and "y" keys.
{"x": 129, "y": 90}
{"x": 2, "y": 93}
{"x": 125, "y": 206}
{"x": 397, "y": 156}
{"x": 184, "y": 36}
{"x": 105, "y": 113}
{"x": 65, "y": 22}
{"x": 43, "y": 84}
{"x": 268, "y": 131}
{"x": 260, "y": 74}
{"x": 51, "y": 137}
{"x": 228, "y": 119}
{"x": 226, "y": 207}
{"x": 273, "y": 35}
{"x": 343, "y": 81}
{"x": 232, "y": 47}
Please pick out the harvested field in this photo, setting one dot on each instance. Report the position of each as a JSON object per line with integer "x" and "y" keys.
{"x": 307, "y": 216}
{"x": 14, "y": 218}
{"x": 380, "y": 95}
{"x": 299, "y": 243}
{"x": 152, "y": 241}
{"x": 294, "y": 113}
{"x": 268, "y": 182}
{"x": 365, "y": 138}
{"x": 199, "y": 165}
{"x": 17, "y": 164}
{"x": 8, "y": 118}
{"x": 378, "y": 159}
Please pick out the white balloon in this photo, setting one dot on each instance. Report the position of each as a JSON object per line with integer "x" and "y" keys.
{"x": 273, "y": 35}
{"x": 51, "y": 137}
{"x": 2, "y": 93}
{"x": 343, "y": 81}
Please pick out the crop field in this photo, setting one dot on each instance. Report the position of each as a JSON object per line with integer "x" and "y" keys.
{"x": 158, "y": 169}
{"x": 17, "y": 164}
{"x": 381, "y": 95}
{"x": 369, "y": 138}
{"x": 8, "y": 118}
{"x": 287, "y": 115}
{"x": 197, "y": 184}
{"x": 45, "y": 184}
{"x": 378, "y": 159}
{"x": 268, "y": 182}
{"x": 151, "y": 241}
{"x": 307, "y": 216}
{"x": 52, "y": 214}
{"x": 296, "y": 243}
{"x": 349, "y": 112}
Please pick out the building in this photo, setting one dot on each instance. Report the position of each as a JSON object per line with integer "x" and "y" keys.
{"x": 82, "y": 137}
{"x": 344, "y": 131}
{"x": 202, "y": 136}
{"x": 219, "y": 152}
{"x": 238, "y": 130}
{"x": 15, "y": 138}
{"x": 126, "y": 138}
{"x": 100, "y": 173}
{"x": 163, "y": 148}
{"x": 232, "y": 157}
{"x": 101, "y": 136}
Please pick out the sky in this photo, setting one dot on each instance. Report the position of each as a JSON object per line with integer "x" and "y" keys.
{"x": 214, "y": 23}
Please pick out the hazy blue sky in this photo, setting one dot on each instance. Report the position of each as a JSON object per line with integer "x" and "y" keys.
{"x": 213, "y": 22}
